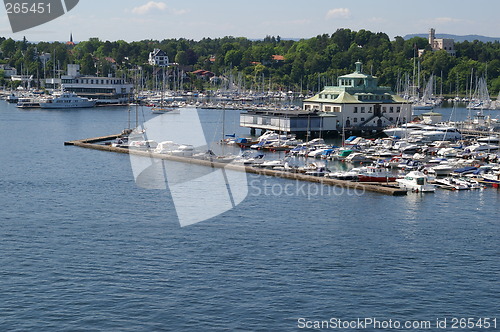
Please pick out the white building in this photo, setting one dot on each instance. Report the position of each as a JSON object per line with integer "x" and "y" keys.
{"x": 107, "y": 90}
{"x": 158, "y": 58}
{"x": 438, "y": 44}
{"x": 358, "y": 102}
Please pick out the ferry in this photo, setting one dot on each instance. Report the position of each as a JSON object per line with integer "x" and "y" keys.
{"x": 68, "y": 100}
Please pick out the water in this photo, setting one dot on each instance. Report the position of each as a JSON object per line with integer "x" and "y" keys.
{"x": 83, "y": 248}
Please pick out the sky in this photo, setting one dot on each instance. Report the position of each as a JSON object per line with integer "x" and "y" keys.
{"x": 133, "y": 20}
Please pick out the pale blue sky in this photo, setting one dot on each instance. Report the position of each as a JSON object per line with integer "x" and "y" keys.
{"x": 162, "y": 19}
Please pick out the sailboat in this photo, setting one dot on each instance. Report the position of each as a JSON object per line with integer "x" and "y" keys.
{"x": 162, "y": 108}
{"x": 481, "y": 98}
{"x": 425, "y": 103}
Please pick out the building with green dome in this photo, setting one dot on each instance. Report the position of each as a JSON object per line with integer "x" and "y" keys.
{"x": 358, "y": 102}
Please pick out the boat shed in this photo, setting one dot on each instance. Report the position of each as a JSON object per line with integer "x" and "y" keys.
{"x": 298, "y": 122}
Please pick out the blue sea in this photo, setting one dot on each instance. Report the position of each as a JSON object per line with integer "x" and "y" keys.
{"x": 83, "y": 248}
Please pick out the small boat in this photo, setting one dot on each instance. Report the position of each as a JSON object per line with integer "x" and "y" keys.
{"x": 441, "y": 169}
{"x": 27, "y": 103}
{"x": 67, "y": 100}
{"x": 162, "y": 110}
{"x": 376, "y": 174}
{"x": 416, "y": 181}
{"x": 319, "y": 171}
{"x": 358, "y": 157}
{"x": 12, "y": 99}
{"x": 452, "y": 184}
{"x": 249, "y": 159}
{"x": 492, "y": 177}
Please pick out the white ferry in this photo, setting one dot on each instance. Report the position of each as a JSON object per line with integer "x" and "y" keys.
{"x": 68, "y": 100}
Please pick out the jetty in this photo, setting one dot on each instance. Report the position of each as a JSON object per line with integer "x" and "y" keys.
{"x": 96, "y": 143}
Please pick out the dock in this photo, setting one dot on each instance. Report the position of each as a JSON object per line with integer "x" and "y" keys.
{"x": 92, "y": 143}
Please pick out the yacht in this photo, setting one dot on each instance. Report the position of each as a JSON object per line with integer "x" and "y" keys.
{"x": 67, "y": 100}
{"x": 404, "y": 130}
{"x": 416, "y": 181}
{"x": 436, "y": 133}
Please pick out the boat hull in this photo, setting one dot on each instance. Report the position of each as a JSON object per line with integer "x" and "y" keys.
{"x": 368, "y": 178}
{"x": 88, "y": 104}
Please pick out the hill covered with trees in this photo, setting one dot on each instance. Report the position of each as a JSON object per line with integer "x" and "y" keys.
{"x": 307, "y": 64}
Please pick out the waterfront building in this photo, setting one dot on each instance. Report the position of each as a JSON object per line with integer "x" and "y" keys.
{"x": 106, "y": 90}
{"x": 359, "y": 103}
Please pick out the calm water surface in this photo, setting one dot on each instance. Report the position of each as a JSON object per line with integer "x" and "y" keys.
{"x": 84, "y": 249}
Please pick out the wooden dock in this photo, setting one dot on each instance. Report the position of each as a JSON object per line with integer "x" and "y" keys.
{"x": 91, "y": 143}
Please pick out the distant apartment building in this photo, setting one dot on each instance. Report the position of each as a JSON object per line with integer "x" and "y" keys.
{"x": 438, "y": 44}
{"x": 158, "y": 58}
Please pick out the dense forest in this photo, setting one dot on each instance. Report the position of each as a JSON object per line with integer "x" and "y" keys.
{"x": 306, "y": 65}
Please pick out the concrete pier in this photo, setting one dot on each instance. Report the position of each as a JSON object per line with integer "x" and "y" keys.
{"x": 90, "y": 143}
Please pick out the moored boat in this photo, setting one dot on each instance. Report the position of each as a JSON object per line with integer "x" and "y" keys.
{"x": 416, "y": 181}
{"x": 376, "y": 174}
{"x": 67, "y": 100}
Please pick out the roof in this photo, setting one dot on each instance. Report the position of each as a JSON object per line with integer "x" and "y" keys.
{"x": 158, "y": 52}
{"x": 278, "y": 58}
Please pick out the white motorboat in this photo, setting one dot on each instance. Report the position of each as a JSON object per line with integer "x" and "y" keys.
{"x": 436, "y": 133}
{"x": 405, "y": 129}
{"x": 358, "y": 157}
{"x": 162, "y": 110}
{"x": 67, "y": 100}
{"x": 442, "y": 169}
{"x": 458, "y": 183}
{"x": 416, "y": 181}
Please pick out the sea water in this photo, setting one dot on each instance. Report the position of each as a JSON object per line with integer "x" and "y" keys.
{"x": 83, "y": 248}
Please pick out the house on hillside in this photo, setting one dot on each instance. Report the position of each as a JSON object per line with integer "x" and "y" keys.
{"x": 158, "y": 58}
{"x": 203, "y": 74}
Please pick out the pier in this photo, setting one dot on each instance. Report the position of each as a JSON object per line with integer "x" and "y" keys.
{"x": 91, "y": 143}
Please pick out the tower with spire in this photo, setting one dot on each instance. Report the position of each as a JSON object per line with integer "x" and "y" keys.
{"x": 70, "y": 43}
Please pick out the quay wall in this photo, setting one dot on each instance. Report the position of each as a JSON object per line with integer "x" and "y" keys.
{"x": 90, "y": 143}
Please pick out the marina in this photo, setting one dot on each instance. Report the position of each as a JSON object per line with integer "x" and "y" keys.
{"x": 74, "y": 216}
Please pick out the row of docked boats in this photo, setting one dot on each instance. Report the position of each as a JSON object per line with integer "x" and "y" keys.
{"x": 451, "y": 165}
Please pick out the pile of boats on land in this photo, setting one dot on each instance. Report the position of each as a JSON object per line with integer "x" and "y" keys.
{"x": 412, "y": 163}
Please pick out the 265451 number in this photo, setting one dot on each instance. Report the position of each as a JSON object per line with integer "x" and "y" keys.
{"x": 26, "y": 8}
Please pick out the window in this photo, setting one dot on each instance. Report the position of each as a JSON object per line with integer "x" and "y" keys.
{"x": 391, "y": 110}
{"x": 362, "y": 109}
{"x": 355, "y": 110}
{"x": 398, "y": 109}
{"x": 328, "y": 109}
{"x": 362, "y": 119}
{"x": 370, "y": 110}
{"x": 384, "y": 109}
{"x": 355, "y": 120}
